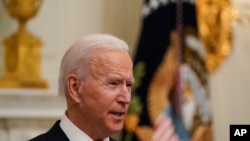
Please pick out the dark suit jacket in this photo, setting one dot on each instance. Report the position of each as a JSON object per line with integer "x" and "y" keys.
{"x": 54, "y": 134}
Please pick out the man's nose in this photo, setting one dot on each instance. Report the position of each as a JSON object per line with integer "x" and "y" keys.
{"x": 125, "y": 99}
{"x": 125, "y": 96}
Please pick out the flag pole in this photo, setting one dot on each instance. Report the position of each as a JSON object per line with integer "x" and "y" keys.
{"x": 179, "y": 27}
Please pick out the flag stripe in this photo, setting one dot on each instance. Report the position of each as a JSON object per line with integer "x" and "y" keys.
{"x": 164, "y": 129}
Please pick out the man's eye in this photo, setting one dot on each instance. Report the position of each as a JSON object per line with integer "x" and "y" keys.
{"x": 129, "y": 85}
{"x": 113, "y": 83}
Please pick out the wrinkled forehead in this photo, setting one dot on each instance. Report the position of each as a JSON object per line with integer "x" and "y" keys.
{"x": 105, "y": 60}
{"x": 110, "y": 55}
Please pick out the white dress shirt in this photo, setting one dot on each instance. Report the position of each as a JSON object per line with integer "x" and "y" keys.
{"x": 73, "y": 132}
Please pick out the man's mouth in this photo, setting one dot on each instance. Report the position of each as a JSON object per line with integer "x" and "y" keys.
{"x": 118, "y": 113}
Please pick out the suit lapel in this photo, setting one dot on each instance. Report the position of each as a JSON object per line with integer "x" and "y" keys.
{"x": 111, "y": 139}
{"x": 56, "y": 133}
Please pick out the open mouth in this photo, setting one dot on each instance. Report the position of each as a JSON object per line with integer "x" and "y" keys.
{"x": 118, "y": 114}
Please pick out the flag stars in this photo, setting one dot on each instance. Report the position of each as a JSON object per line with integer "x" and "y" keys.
{"x": 145, "y": 10}
{"x": 154, "y": 4}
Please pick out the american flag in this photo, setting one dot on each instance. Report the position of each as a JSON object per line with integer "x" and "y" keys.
{"x": 164, "y": 129}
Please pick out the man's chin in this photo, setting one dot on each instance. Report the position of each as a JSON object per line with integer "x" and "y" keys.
{"x": 116, "y": 128}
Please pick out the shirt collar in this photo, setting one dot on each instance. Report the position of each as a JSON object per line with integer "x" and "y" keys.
{"x": 73, "y": 132}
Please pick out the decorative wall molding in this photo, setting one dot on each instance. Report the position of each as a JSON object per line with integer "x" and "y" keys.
{"x": 26, "y": 113}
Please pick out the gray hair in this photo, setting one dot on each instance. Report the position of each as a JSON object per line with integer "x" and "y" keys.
{"x": 79, "y": 54}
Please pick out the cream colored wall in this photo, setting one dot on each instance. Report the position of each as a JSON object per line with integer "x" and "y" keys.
{"x": 230, "y": 84}
{"x": 60, "y": 22}
{"x": 123, "y": 18}
{"x": 230, "y": 87}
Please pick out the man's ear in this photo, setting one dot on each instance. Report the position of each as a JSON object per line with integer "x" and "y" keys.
{"x": 73, "y": 85}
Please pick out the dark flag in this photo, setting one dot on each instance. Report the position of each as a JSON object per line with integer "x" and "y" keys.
{"x": 170, "y": 98}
